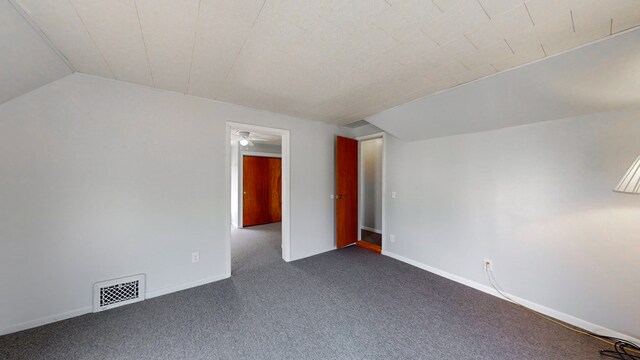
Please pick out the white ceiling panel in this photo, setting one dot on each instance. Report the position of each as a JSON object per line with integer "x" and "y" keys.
{"x": 402, "y": 19}
{"x": 462, "y": 17}
{"x": 361, "y": 76}
{"x": 347, "y": 13}
{"x": 474, "y": 74}
{"x": 445, "y": 5}
{"x": 503, "y": 25}
{"x": 548, "y": 10}
{"x": 524, "y": 42}
{"x": 496, "y": 7}
{"x": 448, "y": 70}
{"x": 411, "y": 50}
{"x": 61, "y": 24}
{"x": 625, "y": 15}
{"x": 220, "y": 35}
{"x": 263, "y": 57}
{"x": 169, "y": 31}
{"x": 116, "y": 30}
{"x": 370, "y": 39}
{"x": 331, "y": 60}
{"x": 569, "y": 31}
{"x": 488, "y": 55}
{"x": 246, "y": 10}
{"x": 459, "y": 47}
{"x": 303, "y": 13}
{"x": 518, "y": 59}
{"x": 27, "y": 61}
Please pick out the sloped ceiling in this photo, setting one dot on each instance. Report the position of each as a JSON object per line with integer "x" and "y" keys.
{"x": 26, "y": 60}
{"x": 600, "y": 77}
{"x": 331, "y": 60}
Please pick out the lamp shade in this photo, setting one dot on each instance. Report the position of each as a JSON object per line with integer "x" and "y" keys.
{"x": 630, "y": 182}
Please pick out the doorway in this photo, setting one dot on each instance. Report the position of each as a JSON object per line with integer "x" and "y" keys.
{"x": 258, "y": 201}
{"x": 370, "y": 214}
{"x": 360, "y": 189}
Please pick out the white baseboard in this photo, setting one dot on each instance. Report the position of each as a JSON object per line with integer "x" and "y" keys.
{"x": 169, "y": 290}
{"x": 88, "y": 309}
{"x": 321, "y": 251}
{"x": 45, "y": 320}
{"x": 569, "y": 319}
{"x": 377, "y": 231}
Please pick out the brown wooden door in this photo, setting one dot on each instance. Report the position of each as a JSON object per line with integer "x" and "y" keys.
{"x": 262, "y": 190}
{"x": 275, "y": 189}
{"x": 346, "y": 191}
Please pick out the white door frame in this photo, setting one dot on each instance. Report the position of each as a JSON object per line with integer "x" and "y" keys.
{"x": 384, "y": 184}
{"x": 241, "y": 156}
{"x": 286, "y": 172}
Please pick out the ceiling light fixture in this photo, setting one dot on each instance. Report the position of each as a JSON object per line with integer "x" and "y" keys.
{"x": 244, "y": 138}
{"x": 630, "y": 183}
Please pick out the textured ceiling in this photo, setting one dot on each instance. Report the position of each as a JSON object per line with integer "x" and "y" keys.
{"x": 26, "y": 61}
{"x": 601, "y": 77}
{"x": 336, "y": 61}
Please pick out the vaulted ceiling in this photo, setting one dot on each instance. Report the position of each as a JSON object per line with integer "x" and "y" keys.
{"x": 332, "y": 60}
{"x": 26, "y": 60}
{"x": 601, "y": 77}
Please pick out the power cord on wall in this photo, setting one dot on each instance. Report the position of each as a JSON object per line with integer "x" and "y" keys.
{"x": 622, "y": 348}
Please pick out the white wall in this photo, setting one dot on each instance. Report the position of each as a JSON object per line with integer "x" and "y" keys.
{"x": 102, "y": 179}
{"x": 371, "y": 157}
{"x": 538, "y": 201}
{"x": 235, "y": 183}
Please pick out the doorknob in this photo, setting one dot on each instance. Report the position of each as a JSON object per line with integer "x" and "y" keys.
{"x": 338, "y": 197}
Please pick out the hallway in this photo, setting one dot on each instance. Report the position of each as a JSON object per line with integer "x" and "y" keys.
{"x": 256, "y": 247}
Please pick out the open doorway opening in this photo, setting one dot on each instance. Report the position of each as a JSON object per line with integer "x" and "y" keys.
{"x": 259, "y": 192}
{"x": 360, "y": 189}
{"x": 371, "y": 192}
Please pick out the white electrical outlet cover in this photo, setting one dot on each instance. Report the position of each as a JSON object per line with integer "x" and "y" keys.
{"x": 487, "y": 264}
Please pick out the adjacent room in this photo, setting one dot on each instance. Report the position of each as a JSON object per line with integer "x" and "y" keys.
{"x": 327, "y": 179}
{"x": 256, "y": 199}
{"x": 371, "y": 152}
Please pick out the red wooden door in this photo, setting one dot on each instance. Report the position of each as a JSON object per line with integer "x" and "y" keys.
{"x": 262, "y": 190}
{"x": 346, "y": 191}
{"x": 275, "y": 189}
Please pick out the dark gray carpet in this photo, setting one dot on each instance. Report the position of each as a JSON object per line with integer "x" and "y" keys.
{"x": 346, "y": 304}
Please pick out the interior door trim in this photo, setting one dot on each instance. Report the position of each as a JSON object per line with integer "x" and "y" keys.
{"x": 286, "y": 186}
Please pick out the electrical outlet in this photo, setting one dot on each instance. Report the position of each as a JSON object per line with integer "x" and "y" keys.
{"x": 195, "y": 257}
{"x": 487, "y": 264}
{"x": 394, "y": 195}
{"x": 392, "y": 238}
